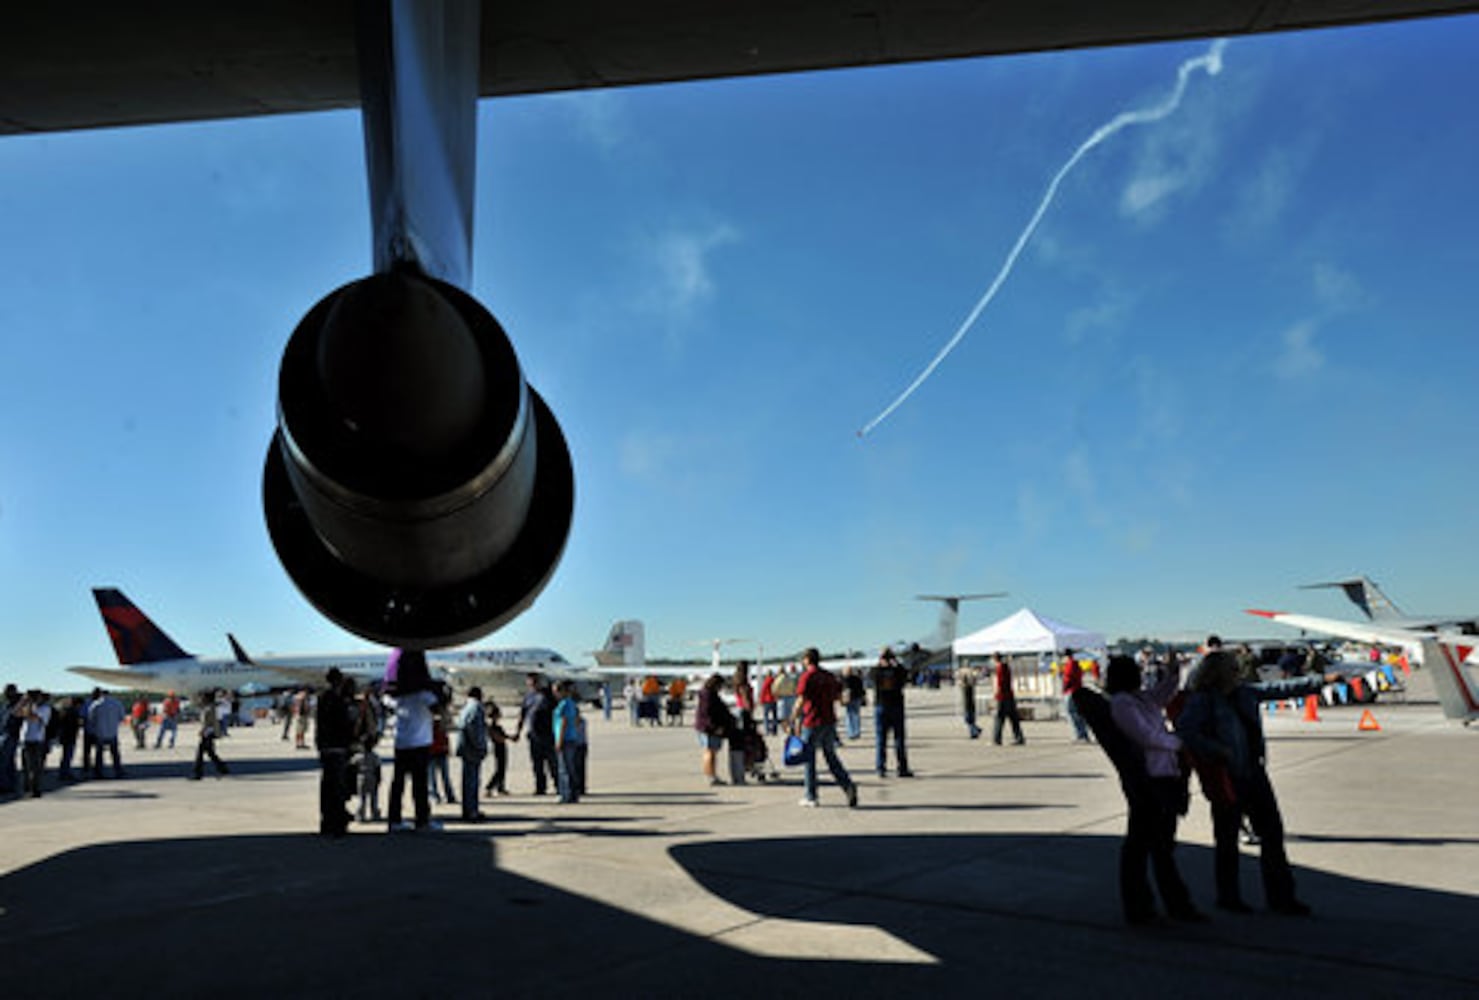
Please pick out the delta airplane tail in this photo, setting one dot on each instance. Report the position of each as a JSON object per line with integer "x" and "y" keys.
{"x": 136, "y": 639}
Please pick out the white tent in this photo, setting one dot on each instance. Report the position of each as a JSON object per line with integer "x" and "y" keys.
{"x": 1026, "y": 632}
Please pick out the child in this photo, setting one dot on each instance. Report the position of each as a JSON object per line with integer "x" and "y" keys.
{"x": 499, "y": 741}
{"x": 366, "y": 735}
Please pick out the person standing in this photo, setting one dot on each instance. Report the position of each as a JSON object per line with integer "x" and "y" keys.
{"x": 768, "y": 702}
{"x": 14, "y": 722}
{"x": 814, "y": 719}
{"x": 1005, "y": 696}
{"x": 210, "y": 729}
{"x": 1073, "y": 678}
{"x": 472, "y": 747}
{"x": 35, "y": 713}
{"x": 333, "y": 734}
{"x": 890, "y": 679}
{"x": 713, "y": 722}
{"x": 630, "y": 694}
{"x": 169, "y": 720}
{"x": 106, "y": 715}
{"x": 854, "y": 697}
{"x": 744, "y": 706}
{"x": 1156, "y": 794}
{"x": 302, "y": 705}
{"x": 138, "y": 720}
{"x": 1223, "y": 728}
{"x": 367, "y": 727}
{"x": 68, "y": 726}
{"x": 498, "y": 741}
{"x": 416, "y": 697}
{"x": 538, "y": 716}
{"x": 965, "y": 679}
{"x": 569, "y": 735}
{"x": 438, "y": 763}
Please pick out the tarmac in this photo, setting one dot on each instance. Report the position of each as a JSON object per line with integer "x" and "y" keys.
{"x": 994, "y": 868}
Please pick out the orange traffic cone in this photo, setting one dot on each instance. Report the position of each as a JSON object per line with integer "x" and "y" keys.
{"x": 1368, "y": 723}
{"x": 1311, "y": 713}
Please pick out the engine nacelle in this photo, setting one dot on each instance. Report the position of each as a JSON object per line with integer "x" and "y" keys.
{"x": 418, "y": 491}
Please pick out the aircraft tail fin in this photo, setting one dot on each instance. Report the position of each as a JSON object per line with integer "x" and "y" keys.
{"x": 237, "y": 650}
{"x": 1363, "y": 592}
{"x": 1444, "y": 658}
{"x": 136, "y": 639}
{"x": 944, "y": 633}
{"x": 626, "y": 646}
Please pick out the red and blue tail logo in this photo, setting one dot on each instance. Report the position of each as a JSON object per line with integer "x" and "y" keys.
{"x": 136, "y": 639}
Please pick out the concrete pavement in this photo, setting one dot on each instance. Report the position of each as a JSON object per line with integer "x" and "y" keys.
{"x": 994, "y": 867}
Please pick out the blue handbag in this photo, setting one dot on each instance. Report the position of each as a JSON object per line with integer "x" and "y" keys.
{"x": 795, "y": 750}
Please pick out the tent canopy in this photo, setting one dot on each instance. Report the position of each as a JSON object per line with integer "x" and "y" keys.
{"x": 1026, "y": 632}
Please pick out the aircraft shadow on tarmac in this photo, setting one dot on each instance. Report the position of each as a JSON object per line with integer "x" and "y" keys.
{"x": 381, "y": 915}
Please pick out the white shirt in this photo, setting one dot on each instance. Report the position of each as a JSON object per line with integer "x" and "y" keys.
{"x": 35, "y": 729}
{"x": 413, "y": 720}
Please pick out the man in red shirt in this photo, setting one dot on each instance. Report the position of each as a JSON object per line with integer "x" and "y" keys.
{"x": 1073, "y": 679}
{"x": 814, "y": 719}
{"x": 1006, "y": 702}
{"x": 169, "y": 721}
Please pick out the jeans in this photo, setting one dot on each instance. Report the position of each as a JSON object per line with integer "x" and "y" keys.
{"x": 1007, "y": 709}
{"x": 8, "y": 746}
{"x": 33, "y": 758}
{"x": 333, "y": 818}
{"x": 471, "y": 775}
{"x": 207, "y": 748}
{"x": 854, "y": 721}
{"x": 1151, "y": 837}
{"x": 542, "y": 757}
{"x": 772, "y": 720}
{"x": 500, "y": 769}
{"x": 112, "y": 747}
{"x": 437, "y": 764}
{"x": 170, "y": 725}
{"x": 824, "y": 737}
{"x": 1256, "y": 801}
{"x": 1080, "y": 731}
{"x": 886, "y": 719}
{"x": 410, "y": 762}
{"x": 68, "y": 749}
{"x": 569, "y": 779}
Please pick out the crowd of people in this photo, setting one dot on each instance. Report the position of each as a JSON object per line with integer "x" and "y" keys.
{"x": 1156, "y": 729}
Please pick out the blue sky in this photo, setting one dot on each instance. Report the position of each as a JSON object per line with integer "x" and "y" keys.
{"x": 1233, "y": 358}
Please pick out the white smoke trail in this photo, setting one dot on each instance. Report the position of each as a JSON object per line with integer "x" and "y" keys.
{"x": 1211, "y": 61}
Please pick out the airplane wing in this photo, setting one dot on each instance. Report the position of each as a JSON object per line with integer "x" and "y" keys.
{"x": 1360, "y": 631}
{"x": 117, "y": 676}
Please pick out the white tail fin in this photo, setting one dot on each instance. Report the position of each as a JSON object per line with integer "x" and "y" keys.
{"x": 626, "y": 646}
{"x": 1444, "y": 658}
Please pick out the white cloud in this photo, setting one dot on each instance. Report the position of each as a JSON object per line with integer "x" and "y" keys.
{"x": 1336, "y": 289}
{"x": 1175, "y": 156}
{"x": 1299, "y": 356}
{"x": 680, "y": 277}
{"x": 599, "y": 117}
{"x": 1107, "y": 315}
{"x": 1261, "y": 200}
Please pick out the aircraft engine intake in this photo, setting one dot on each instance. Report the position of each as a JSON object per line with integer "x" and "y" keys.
{"x": 418, "y": 491}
